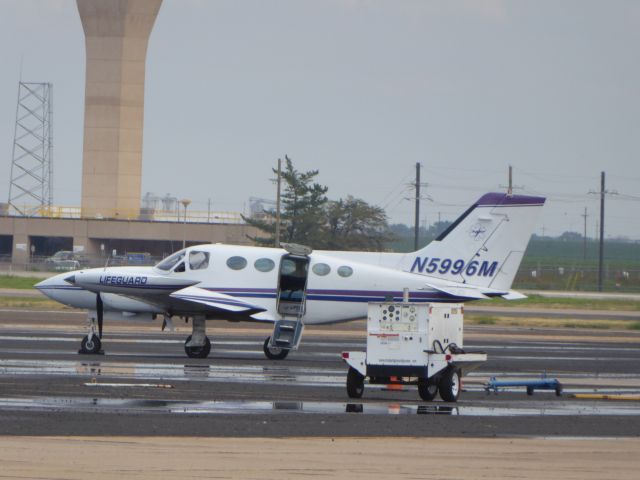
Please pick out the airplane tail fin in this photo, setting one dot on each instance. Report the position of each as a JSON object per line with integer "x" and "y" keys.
{"x": 484, "y": 246}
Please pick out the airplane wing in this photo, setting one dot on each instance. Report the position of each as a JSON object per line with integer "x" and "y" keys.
{"x": 216, "y": 301}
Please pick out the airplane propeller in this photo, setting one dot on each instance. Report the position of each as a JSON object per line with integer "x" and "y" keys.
{"x": 100, "y": 312}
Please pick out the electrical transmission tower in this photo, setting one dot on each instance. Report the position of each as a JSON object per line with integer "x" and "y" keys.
{"x": 30, "y": 192}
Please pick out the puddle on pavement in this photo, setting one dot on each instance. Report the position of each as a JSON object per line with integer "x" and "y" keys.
{"x": 281, "y": 375}
{"x": 140, "y": 406}
{"x": 276, "y": 375}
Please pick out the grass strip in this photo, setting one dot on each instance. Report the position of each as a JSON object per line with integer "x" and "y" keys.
{"x": 33, "y": 303}
{"x": 14, "y": 281}
{"x": 566, "y": 303}
{"x": 541, "y": 322}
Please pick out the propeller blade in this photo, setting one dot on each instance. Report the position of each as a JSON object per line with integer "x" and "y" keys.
{"x": 100, "y": 311}
{"x": 167, "y": 323}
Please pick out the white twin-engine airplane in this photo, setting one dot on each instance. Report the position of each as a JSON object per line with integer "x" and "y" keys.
{"x": 476, "y": 257}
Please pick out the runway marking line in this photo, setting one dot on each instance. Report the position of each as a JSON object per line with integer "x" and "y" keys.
{"x": 609, "y": 396}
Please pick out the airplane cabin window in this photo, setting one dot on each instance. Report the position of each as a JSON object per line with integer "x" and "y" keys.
{"x": 264, "y": 264}
{"x": 198, "y": 260}
{"x": 236, "y": 263}
{"x": 321, "y": 269}
{"x": 169, "y": 262}
{"x": 345, "y": 271}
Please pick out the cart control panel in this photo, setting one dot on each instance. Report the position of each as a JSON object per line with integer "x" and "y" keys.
{"x": 401, "y": 333}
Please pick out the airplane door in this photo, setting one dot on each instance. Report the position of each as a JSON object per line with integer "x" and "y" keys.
{"x": 292, "y": 284}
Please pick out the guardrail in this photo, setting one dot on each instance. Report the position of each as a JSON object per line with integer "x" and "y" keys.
{"x": 45, "y": 264}
{"x": 149, "y": 215}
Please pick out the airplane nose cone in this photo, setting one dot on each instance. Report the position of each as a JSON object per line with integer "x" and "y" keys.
{"x": 71, "y": 279}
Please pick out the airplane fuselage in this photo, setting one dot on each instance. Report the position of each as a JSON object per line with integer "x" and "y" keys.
{"x": 336, "y": 289}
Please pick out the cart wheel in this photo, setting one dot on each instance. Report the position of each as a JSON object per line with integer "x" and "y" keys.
{"x": 529, "y": 390}
{"x": 449, "y": 385}
{"x": 558, "y": 390}
{"x": 355, "y": 383}
{"x": 427, "y": 389}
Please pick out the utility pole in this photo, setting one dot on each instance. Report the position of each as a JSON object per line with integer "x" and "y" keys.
{"x": 510, "y": 186}
{"x": 278, "y": 183}
{"x": 417, "y": 220}
{"x": 584, "y": 238}
{"x": 185, "y": 203}
{"x": 601, "y": 254}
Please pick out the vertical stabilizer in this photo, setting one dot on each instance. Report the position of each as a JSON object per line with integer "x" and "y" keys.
{"x": 484, "y": 246}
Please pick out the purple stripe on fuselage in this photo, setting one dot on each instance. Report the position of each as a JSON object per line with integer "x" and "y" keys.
{"x": 370, "y": 293}
{"x": 241, "y": 290}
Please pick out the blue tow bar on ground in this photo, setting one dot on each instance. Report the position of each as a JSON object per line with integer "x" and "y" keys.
{"x": 543, "y": 383}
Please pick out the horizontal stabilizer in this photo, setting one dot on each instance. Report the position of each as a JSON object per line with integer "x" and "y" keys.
{"x": 460, "y": 291}
{"x": 513, "y": 295}
{"x": 215, "y": 300}
{"x": 472, "y": 292}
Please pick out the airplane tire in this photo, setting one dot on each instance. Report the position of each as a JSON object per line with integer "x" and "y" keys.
{"x": 274, "y": 353}
{"x": 449, "y": 385}
{"x": 91, "y": 344}
{"x": 355, "y": 383}
{"x": 197, "y": 352}
{"x": 427, "y": 389}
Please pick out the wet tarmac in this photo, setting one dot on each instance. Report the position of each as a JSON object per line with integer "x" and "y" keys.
{"x": 144, "y": 384}
{"x": 176, "y": 407}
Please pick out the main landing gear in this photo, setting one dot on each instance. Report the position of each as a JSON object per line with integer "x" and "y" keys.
{"x": 198, "y": 345}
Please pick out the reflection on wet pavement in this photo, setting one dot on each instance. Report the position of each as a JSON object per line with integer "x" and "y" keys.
{"x": 276, "y": 375}
{"x": 144, "y": 406}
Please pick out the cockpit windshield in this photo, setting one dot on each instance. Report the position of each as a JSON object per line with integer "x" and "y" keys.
{"x": 170, "y": 262}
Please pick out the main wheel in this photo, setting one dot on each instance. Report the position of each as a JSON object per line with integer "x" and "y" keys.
{"x": 427, "y": 389}
{"x": 355, "y": 383}
{"x": 449, "y": 385}
{"x": 90, "y": 344}
{"x": 274, "y": 353}
{"x": 197, "y": 351}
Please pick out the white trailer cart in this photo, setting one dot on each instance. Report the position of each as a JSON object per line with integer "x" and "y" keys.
{"x": 413, "y": 344}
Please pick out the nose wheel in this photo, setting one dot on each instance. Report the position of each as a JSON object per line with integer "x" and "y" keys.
{"x": 197, "y": 351}
{"x": 91, "y": 344}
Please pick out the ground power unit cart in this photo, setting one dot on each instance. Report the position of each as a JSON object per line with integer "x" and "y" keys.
{"x": 413, "y": 344}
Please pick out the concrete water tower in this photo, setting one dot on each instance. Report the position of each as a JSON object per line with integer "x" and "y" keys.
{"x": 116, "y": 38}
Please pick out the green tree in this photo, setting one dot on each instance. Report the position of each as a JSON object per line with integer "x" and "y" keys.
{"x": 303, "y": 204}
{"x": 307, "y": 217}
{"x": 353, "y": 224}
{"x": 302, "y": 216}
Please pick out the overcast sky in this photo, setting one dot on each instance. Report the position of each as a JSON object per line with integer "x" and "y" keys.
{"x": 362, "y": 90}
